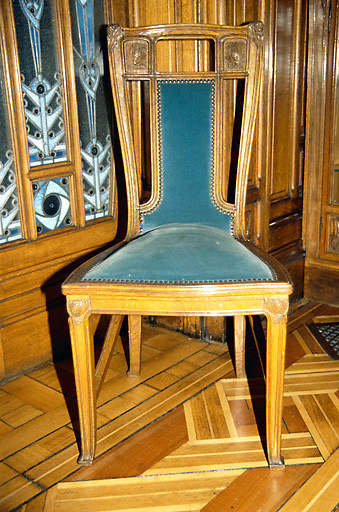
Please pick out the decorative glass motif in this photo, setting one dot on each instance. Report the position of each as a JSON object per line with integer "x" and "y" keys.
{"x": 52, "y": 204}
{"x": 87, "y": 24}
{"x": 10, "y": 224}
{"x": 41, "y": 86}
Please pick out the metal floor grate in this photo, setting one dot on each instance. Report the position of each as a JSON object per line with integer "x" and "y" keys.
{"x": 327, "y": 335}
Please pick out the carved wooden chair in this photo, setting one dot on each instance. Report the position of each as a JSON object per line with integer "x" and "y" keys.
{"x": 185, "y": 251}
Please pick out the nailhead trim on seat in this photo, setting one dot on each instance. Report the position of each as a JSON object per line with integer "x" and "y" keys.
{"x": 234, "y": 281}
{"x": 221, "y": 281}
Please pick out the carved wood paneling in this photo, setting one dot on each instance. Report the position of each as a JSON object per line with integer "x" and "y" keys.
{"x": 288, "y": 99}
{"x": 275, "y": 178}
{"x": 284, "y": 188}
{"x": 321, "y": 209}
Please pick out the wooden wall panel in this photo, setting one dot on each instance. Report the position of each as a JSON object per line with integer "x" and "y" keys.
{"x": 285, "y": 184}
{"x": 282, "y": 183}
{"x": 34, "y": 337}
{"x": 31, "y": 277}
{"x": 321, "y": 207}
{"x": 275, "y": 180}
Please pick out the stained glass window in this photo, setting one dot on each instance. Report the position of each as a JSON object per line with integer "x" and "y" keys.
{"x": 41, "y": 87}
{"x": 52, "y": 204}
{"x": 10, "y": 224}
{"x": 88, "y": 38}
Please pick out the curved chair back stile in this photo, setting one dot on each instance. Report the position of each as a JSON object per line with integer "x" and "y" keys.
{"x": 185, "y": 251}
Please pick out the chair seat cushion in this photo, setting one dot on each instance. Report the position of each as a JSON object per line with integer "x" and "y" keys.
{"x": 182, "y": 253}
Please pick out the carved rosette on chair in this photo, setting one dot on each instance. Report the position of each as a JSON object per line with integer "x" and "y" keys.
{"x": 185, "y": 251}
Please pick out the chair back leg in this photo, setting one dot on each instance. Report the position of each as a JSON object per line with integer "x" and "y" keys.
{"x": 134, "y": 336}
{"x": 107, "y": 350}
{"x": 239, "y": 345}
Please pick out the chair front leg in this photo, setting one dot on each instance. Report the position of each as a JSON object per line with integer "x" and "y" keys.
{"x": 276, "y": 314}
{"x": 84, "y": 374}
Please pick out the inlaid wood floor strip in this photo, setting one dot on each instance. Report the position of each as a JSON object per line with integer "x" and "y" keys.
{"x": 261, "y": 489}
{"x": 295, "y": 384}
{"x": 320, "y": 492}
{"x": 32, "y": 431}
{"x": 313, "y": 363}
{"x": 136, "y": 454}
{"x": 318, "y": 424}
{"x": 16, "y": 491}
{"x": 304, "y": 314}
{"x": 142, "y": 494}
{"x": 214, "y": 455}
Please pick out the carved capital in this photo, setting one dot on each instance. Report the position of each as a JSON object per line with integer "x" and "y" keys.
{"x": 235, "y": 54}
{"x": 136, "y": 56}
{"x": 78, "y": 309}
{"x": 277, "y": 308}
{"x": 114, "y": 34}
{"x": 257, "y": 29}
{"x": 334, "y": 233}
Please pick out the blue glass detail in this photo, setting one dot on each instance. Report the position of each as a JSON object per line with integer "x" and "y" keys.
{"x": 10, "y": 223}
{"x": 52, "y": 204}
{"x": 42, "y": 94}
{"x": 87, "y": 23}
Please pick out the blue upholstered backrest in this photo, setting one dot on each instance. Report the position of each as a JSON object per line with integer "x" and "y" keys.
{"x": 186, "y": 120}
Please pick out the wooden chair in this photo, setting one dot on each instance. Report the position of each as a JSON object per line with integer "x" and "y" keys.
{"x": 185, "y": 251}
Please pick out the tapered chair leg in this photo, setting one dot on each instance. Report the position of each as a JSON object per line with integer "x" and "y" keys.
{"x": 239, "y": 345}
{"x": 276, "y": 343}
{"x": 134, "y": 335}
{"x": 84, "y": 374}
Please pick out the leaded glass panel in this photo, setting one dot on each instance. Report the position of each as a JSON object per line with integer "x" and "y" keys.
{"x": 52, "y": 204}
{"x": 41, "y": 86}
{"x": 10, "y": 223}
{"x": 87, "y": 18}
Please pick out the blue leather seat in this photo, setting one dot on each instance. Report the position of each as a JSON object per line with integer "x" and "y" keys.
{"x": 182, "y": 253}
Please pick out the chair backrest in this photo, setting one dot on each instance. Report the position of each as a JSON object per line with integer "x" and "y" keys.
{"x": 177, "y": 80}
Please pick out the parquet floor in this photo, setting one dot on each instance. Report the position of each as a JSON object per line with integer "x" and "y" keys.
{"x": 185, "y": 435}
